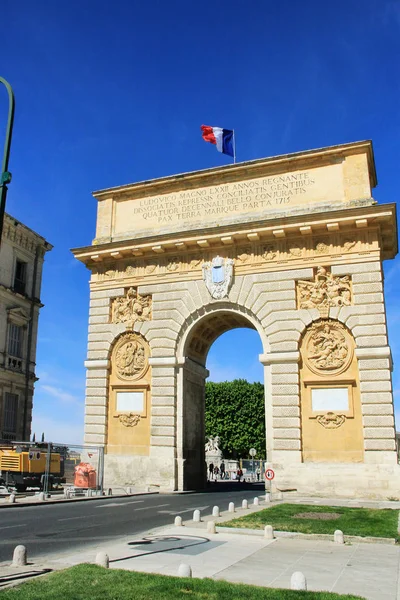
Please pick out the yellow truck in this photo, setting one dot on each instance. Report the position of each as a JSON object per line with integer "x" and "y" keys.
{"x": 24, "y": 466}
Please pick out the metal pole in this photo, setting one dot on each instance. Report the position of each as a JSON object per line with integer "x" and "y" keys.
{"x": 5, "y": 176}
{"x": 47, "y": 472}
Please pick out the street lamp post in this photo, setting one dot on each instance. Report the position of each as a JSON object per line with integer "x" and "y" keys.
{"x": 5, "y": 176}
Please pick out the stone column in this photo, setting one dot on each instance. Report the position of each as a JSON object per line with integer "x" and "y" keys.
{"x": 282, "y": 407}
{"x": 99, "y": 340}
{"x": 96, "y": 402}
{"x": 367, "y": 322}
{"x": 191, "y": 431}
{"x": 163, "y": 420}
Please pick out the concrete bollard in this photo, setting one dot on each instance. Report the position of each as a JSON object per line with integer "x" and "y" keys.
{"x": 103, "y": 560}
{"x": 256, "y": 501}
{"x": 268, "y": 497}
{"x": 215, "y": 512}
{"x": 12, "y": 499}
{"x": 245, "y": 504}
{"x": 211, "y": 527}
{"x": 231, "y": 507}
{"x": 269, "y": 532}
{"x": 41, "y": 497}
{"x": 298, "y": 581}
{"x": 196, "y": 516}
{"x": 338, "y": 537}
{"x": 178, "y": 522}
{"x": 20, "y": 556}
{"x": 184, "y": 570}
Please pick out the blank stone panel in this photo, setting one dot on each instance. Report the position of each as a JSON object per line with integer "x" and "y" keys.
{"x": 371, "y": 341}
{"x": 375, "y": 375}
{"x": 286, "y": 400}
{"x": 365, "y": 267}
{"x": 286, "y": 411}
{"x": 285, "y": 378}
{"x": 378, "y": 432}
{"x": 378, "y": 421}
{"x": 286, "y": 422}
{"x": 379, "y": 444}
{"x": 281, "y": 444}
{"x": 285, "y": 390}
{"x": 372, "y": 397}
{"x": 290, "y": 433}
{"x": 277, "y": 369}
{"x": 377, "y": 409}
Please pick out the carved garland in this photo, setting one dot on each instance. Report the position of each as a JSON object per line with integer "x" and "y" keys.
{"x": 129, "y": 420}
{"x": 331, "y": 420}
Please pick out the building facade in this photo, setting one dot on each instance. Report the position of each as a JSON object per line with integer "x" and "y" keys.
{"x": 22, "y": 254}
{"x": 291, "y": 246}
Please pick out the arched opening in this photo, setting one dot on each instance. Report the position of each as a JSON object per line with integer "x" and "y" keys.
{"x": 213, "y": 327}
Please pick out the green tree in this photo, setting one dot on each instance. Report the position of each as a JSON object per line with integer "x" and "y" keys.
{"x": 235, "y": 412}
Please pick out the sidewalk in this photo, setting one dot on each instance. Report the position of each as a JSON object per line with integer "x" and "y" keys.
{"x": 367, "y": 570}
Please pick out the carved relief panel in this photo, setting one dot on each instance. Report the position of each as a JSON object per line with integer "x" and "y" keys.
{"x": 331, "y": 419}
{"x": 130, "y": 308}
{"x": 324, "y": 292}
{"x": 129, "y": 396}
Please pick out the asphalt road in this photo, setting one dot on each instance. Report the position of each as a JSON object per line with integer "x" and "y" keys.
{"x": 58, "y": 528}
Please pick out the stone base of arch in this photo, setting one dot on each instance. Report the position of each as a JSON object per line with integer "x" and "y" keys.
{"x": 358, "y": 481}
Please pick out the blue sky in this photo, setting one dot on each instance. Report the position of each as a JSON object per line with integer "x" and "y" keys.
{"x": 112, "y": 93}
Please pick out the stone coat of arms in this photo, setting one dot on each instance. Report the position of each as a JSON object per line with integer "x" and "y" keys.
{"x": 218, "y": 275}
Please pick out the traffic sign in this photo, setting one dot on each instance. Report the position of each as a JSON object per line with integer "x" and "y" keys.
{"x": 269, "y": 474}
{"x": 252, "y": 452}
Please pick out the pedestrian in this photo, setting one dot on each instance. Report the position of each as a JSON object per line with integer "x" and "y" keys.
{"x": 216, "y": 472}
{"x": 258, "y": 473}
{"x": 222, "y": 470}
{"x": 239, "y": 475}
{"x": 210, "y": 471}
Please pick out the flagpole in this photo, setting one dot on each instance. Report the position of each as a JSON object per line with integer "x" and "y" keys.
{"x": 234, "y": 148}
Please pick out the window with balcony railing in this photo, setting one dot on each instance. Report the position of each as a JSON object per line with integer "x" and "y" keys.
{"x": 15, "y": 340}
{"x": 10, "y": 415}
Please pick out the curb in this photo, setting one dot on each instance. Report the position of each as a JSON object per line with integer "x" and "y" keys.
{"x": 307, "y": 536}
{"x": 70, "y": 500}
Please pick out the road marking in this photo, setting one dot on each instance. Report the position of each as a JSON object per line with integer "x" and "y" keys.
{"x": 149, "y": 507}
{"x": 180, "y": 512}
{"x": 119, "y": 503}
{"x": 71, "y": 518}
{"x": 11, "y": 526}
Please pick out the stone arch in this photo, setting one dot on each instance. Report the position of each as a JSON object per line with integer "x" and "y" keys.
{"x": 194, "y": 342}
{"x": 234, "y": 316}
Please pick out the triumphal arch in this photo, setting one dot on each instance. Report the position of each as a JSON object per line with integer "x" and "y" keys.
{"x": 291, "y": 246}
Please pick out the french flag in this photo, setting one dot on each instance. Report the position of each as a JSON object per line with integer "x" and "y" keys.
{"x": 222, "y": 138}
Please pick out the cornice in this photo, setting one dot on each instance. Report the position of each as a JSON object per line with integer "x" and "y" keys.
{"x": 319, "y": 222}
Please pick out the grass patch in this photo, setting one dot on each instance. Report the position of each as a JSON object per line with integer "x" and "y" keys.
{"x": 90, "y": 582}
{"x": 305, "y": 518}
